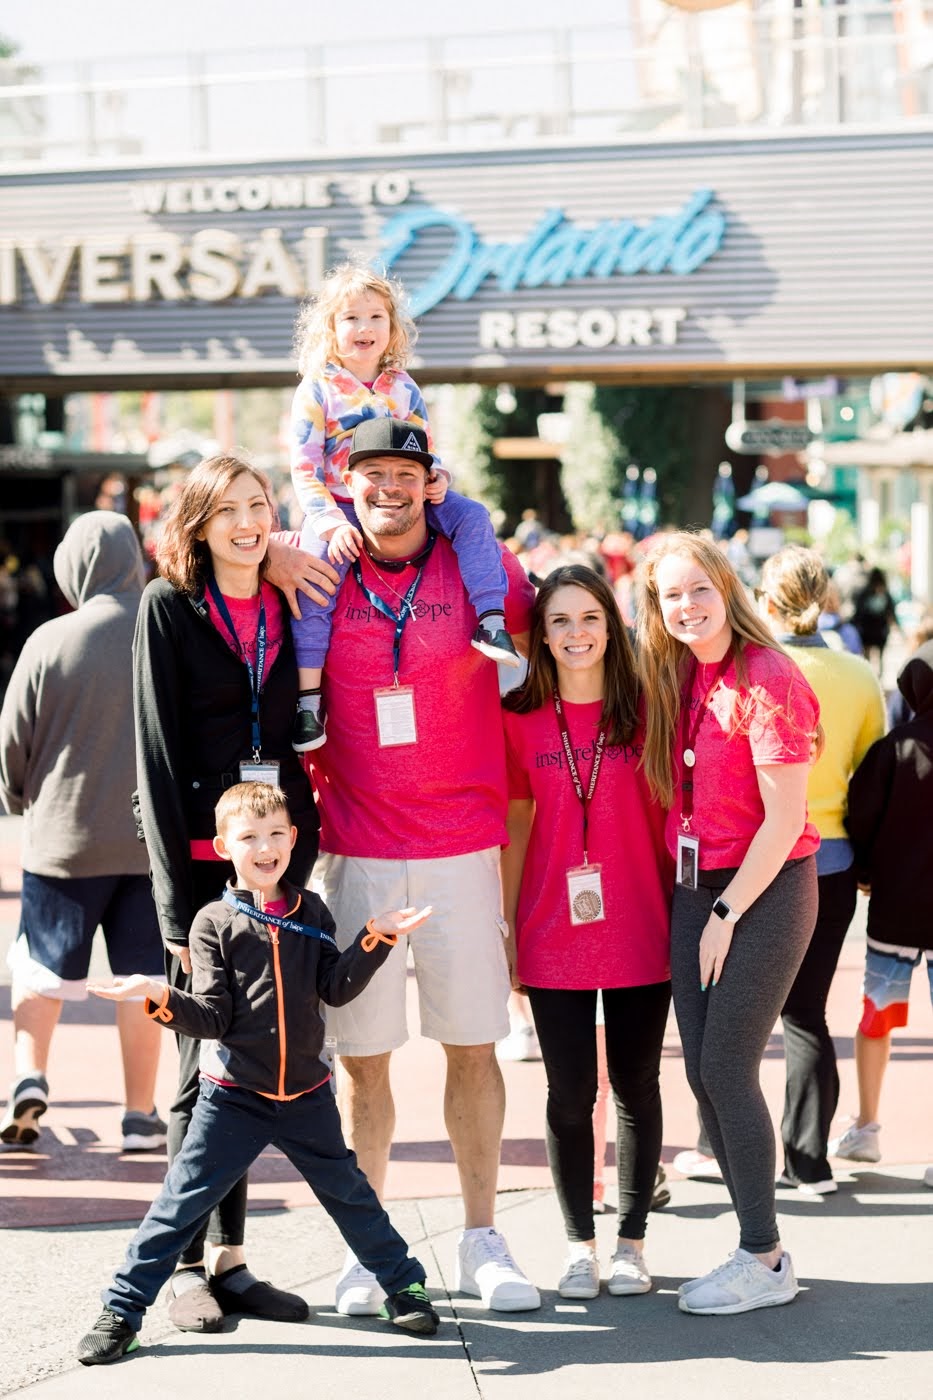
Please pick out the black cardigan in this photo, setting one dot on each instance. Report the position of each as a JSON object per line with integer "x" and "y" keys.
{"x": 192, "y": 704}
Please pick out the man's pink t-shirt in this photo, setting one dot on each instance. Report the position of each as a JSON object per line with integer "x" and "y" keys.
{"x": 444, "y": 795}
{"x": 625, "y": 835}
{"x": 779, "y": 714}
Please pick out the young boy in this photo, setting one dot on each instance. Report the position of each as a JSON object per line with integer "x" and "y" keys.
{"x": 262, "y": 957}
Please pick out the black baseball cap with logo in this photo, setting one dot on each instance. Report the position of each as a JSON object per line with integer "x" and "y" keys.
{"x": 390, "y": 437}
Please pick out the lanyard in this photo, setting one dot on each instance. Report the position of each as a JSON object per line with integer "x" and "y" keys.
{"x": 585, "y": 797}
{"x": 255, "y": 676}
{"x": 689, "y": 733}
{"x": 405, "y": 611}
{"x": 276, "y": 920}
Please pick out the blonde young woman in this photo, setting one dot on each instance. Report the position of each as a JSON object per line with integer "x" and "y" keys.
{"x": 792, "y": 593}
{"x": 730, "y": 724}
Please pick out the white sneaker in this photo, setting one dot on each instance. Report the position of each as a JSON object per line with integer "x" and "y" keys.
{"x": 809, "y": 1188}
{"x": 697, "y": 1164}
{"x": 858, "y": 1143}
{"x": 486, "y": 1269}
{"x": 628, "y": 1272}
{"x": 580, "y": 1278}
{"x": 521, "y": 1043}
{"x": 740, "y": 1285}
{"x": 358, "y": 1293}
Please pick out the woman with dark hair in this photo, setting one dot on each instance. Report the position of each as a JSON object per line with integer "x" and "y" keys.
{"x": 874, "y": 616}
{"x": 586, "y": 893}
{"x": 215, "y": 689}
{"x": 731, "y": 726}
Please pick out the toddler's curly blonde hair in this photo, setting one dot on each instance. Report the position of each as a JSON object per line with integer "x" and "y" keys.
{"x": 315, "y": 333}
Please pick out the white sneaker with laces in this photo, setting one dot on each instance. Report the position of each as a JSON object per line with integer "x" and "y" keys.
{"x": 358, "y": 1293}
{"x": 859, "y": 1143}
{"x": 693, "y": 1163}
{"x": 741, "y": 1284}
{"x": 486, "y": 1269}
{"x": 580, "y": 1278}
{"x": 628, "y": 1272}
{"x": 521, "y": 1043}
{"x": 809, "y": 1188}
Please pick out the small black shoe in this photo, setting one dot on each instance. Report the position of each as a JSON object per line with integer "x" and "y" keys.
{"x": 29, "y": 1098}
{"x": 143, "y": 1132}
{"x": 497, "y": 645}
{"x": 110, "y": 1338}
{"x": 308, "y": 732}
{"x": 662, "y": 1195}
{"x": 411, "y": 1308}
{"x": 259, "y": 1300}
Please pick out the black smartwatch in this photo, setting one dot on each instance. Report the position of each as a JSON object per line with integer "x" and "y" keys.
{"x": 725, "y": 911}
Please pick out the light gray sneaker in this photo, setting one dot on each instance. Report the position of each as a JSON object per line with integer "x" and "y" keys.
{"x": 740, "y": 1285}
{"x": 858, "y": 1143}
{"x": 628, "y": 1272}
{"x": 580, "y": 1278}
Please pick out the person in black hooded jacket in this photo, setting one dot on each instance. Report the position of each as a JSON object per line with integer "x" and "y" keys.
{"x": 891, "y": 828}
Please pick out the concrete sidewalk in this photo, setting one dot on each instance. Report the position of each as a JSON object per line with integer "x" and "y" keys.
{"x": 862, "y": 1325}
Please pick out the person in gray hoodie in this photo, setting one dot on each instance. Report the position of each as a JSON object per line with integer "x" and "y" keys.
{"x": 68, "y": 766}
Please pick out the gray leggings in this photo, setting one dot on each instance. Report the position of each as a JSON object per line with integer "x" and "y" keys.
{"x": 724, "y": 1030}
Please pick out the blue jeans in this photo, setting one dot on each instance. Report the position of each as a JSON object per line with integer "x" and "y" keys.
{"x": 229, "y": 1129}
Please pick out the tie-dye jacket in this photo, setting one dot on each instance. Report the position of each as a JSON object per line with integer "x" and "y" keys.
{"x": 325, "y": 412}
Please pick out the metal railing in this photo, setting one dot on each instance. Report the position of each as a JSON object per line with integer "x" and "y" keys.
{"x": 667, "y": 73}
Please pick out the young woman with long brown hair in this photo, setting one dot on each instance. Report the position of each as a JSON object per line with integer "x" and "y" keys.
{"x": 215, "y": 689}
{"x": 586, "y": 893}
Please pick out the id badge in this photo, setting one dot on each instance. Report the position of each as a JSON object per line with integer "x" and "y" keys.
{"x": 585, "y": 894}
{"x": 256, "y": 771}
{"x": 395, "y": 715}
{"x": 688, "y": 861}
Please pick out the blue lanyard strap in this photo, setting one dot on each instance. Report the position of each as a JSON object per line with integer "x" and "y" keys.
{"x": 255, "y": 675}
{"x": 276, "y": 920}
{"x": 405, "y": 611}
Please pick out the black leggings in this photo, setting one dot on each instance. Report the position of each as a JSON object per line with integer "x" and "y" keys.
{"x": 566, "y": 1026}
{"x": 724, "y": 1031}
{"x": 227, "y": 1222}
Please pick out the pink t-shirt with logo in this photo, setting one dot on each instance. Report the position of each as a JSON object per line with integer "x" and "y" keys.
{"x": 779, "y": 713}
{"x": 444, "y": 795}
{"x": 625, "y": 835}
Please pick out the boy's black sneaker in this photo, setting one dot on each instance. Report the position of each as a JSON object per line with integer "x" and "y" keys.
{"x": 308, "y": 732}
{"x": 411, "y": 1308}
{"x": 496, "y": 644}
{"x": 110, "y": 1338}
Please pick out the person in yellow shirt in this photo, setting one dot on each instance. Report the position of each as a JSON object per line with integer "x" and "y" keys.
{"x": 793, "y": 587}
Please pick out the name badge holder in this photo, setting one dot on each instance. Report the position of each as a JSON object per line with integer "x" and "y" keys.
{"x": 395, "y": 704}
{"x": 688, "y": 845}
{"x": 584, "y": 882}
{"x": 255, "y": 769}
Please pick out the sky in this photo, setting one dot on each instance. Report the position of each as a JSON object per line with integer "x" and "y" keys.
{"x": 63, "y": 31}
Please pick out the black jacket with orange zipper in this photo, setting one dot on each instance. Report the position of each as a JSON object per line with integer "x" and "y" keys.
{"x": 255, "y": 993}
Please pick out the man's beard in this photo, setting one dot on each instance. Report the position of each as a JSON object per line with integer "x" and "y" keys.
{"x": 371, "y": 518}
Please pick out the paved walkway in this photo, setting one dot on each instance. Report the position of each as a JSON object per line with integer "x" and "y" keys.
{"x": 863, "y": 1325}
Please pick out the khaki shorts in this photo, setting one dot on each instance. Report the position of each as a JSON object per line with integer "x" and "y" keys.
{"x": 458, "y": 955}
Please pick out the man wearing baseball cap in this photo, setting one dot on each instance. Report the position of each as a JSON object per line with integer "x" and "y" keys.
{"x": 463, "y": 522}
{"x": 412, "y": 794}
